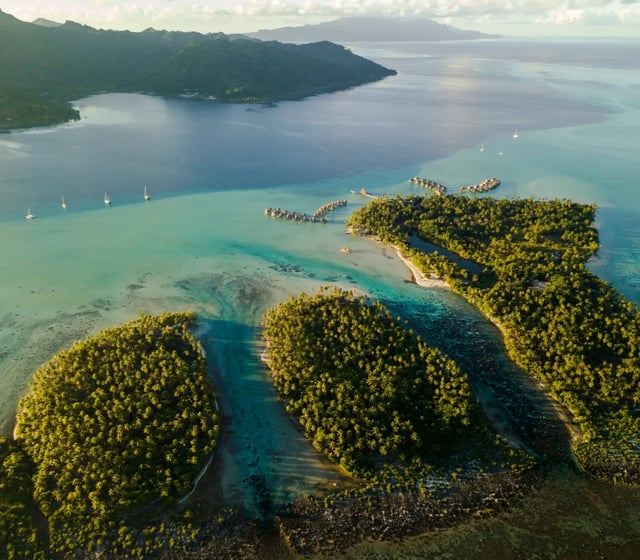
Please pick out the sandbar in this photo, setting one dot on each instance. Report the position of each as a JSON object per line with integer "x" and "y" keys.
{"x": 419, "y": 277}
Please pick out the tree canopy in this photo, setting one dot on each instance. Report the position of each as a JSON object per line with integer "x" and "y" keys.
{"x": 364, "y": 387}
{"x": 568, "y": 328}
{"x": 18, "y": 535}
{"x": 118, "y": 427}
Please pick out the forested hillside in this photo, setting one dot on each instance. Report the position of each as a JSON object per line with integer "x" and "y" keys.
{"x": 60, "y": 64}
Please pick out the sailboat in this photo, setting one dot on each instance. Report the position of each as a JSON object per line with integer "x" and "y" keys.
{"x": 146, "y": 194}
{"x": 64, "y": 204}
{"x": 29, "y": 215}
{"x": 515, "y": 133}
{"x": 107, "y": 200}
{"x": 482, "y": 148}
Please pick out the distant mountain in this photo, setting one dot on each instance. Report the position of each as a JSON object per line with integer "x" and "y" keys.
{"x": 46, "y": 22}
{"x": 46, "y": 65}
{"x": 349, "y": 29}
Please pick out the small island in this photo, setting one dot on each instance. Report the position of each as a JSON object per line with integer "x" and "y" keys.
{"x": 115, "y": 431}
{"x": 396, "y": 414}
{"x": 366, "y": 389}
{"x": 112, "y": 434}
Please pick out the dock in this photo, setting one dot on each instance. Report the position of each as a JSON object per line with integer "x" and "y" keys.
{"x": 437, "y": 188}
{"x": 484, "y": 186}
{"x": 433, "y": 186}
{"x": 319, "y": 216}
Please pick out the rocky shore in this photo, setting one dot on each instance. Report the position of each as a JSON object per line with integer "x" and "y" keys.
{"x": 309, "y": 526}
{"x": 235, "y": 537}
{"x": 329, "y": 526}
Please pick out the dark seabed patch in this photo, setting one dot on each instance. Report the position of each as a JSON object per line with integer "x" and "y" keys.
{"x": 569, "y": 518}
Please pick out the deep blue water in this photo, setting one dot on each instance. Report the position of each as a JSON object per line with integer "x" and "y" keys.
{"x": 446, "y": 97}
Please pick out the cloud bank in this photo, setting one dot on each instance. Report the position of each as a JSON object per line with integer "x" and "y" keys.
{"x": 249, "y": 15}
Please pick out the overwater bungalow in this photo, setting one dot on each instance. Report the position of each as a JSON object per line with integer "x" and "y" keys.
{"x": 484, "y": 186}
{"x": 433, "y": 186}
{"x": 318, "y": 216}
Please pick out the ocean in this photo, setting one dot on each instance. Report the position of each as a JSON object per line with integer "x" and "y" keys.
{"x": 203, "y": 241}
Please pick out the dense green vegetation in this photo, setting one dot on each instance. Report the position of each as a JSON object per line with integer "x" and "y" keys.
{"x": 56, "y": 64}
{"x": 18, "y": 536}
{"x": 366, "y": 389}
{"x": 117, "y": 427}
{"x": 568, "y": 328}
{"x": 23, "y": 109}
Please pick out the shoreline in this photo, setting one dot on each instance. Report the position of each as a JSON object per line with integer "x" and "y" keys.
{"x": 564, "y": 414}
{"x": 418, "y": 277}
{"x": 310, "y": 527}
{"x": 421, "y": 279}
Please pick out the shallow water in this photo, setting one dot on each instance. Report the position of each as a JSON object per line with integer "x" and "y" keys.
{"x": 204, "y": 243}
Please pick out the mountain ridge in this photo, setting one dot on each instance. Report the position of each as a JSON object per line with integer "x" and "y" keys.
{"x": 51, "y": 65}
{"x": 46, "y": 22}
{"x": 359, "y": 28}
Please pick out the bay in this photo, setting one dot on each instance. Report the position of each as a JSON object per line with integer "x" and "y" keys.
{"x": 204, "y": 243}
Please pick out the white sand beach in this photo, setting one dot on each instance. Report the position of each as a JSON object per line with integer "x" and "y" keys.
{"x": 419, "y": 277}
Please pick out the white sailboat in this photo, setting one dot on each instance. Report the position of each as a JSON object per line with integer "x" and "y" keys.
{"x": 107, "y": 200}
{"x": 515, "y": 133}
{"x": 29, "y": 215}
{"x": 482, "y": 148}
{"x": 64, "y": 204}
{"x": 146, "y": 194}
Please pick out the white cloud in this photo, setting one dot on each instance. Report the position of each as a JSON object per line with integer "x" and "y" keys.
{"x": 594, "y": 13}
{"x": 215, "y": 15}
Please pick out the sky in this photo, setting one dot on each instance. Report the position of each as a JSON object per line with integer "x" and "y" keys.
{"x": 527, "y": 18}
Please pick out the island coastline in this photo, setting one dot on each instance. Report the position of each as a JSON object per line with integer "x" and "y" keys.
{"x": 533, "y": 286}
{"x": 419, "y": 277}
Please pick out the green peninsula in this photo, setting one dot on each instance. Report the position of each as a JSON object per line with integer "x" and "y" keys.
{"x": 43, "y": 68}
{"x": 523, "y": 264}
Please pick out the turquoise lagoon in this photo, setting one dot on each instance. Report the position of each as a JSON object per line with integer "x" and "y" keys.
{"x": 204, "y": 243}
